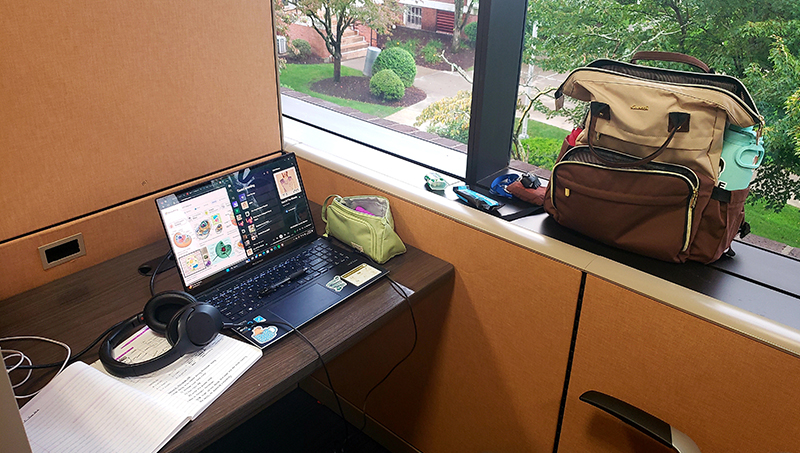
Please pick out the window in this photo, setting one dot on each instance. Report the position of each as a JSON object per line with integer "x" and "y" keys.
{"x": 543, "y": 40}
{"x": 413, "y": 17}
{"x": 755, "y": 42}
{"x": 433, "y": 54}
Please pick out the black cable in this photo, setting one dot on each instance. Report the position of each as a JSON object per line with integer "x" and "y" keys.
{"x": 399, "y": 289}
{"x": 74, "y": 358}
{"x": 155, "y": 272}
{"x": 324, "y": 367}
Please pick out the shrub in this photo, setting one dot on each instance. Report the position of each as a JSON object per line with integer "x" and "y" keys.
{"x": 399, "y": 61}
{"x": 302, "y": 48}
{"x": 471, "y": 31}
{"x": 387, "y": 85}
{"x": 410, "y": 46}
{"x": 541, "y": 151}
{"x": 448, "y": 117}
{"x": 431, "y": 53}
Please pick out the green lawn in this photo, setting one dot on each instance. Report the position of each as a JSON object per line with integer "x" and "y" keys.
{"x": 782, "y": 227}
{"x": 537, "y": 129}
{"x": 300, "y": 77}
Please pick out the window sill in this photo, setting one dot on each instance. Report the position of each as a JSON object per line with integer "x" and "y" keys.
{"x": 732, "y": 294}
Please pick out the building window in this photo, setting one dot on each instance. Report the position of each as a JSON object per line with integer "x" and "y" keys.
{"x": 413, "y": 17}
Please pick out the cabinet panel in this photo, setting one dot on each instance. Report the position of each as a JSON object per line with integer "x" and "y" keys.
{"x": 105, "y": 102}
{"x": 727, "y": 392}
{"x": 488, "y": 371}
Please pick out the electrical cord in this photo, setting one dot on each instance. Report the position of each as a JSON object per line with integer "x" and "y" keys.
{"x": 77, "y": 356}
{"x": 24, "y": 358}
{"x": 324, "y": 367}
{"x": 399, "y": 289}
{"x": 155, "y": 272}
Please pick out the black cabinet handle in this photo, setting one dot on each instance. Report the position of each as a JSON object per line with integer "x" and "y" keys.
{"x": 651, "y": 425}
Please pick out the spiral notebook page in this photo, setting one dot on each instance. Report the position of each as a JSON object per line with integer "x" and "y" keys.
{"x": 84, "y": 410}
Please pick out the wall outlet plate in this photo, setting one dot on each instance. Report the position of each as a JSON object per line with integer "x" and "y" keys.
{"x": 62, "y": 250}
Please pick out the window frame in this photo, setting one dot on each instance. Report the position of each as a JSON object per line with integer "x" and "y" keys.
{"x": 414, "y": 13}
{"x": 494, "y": 93}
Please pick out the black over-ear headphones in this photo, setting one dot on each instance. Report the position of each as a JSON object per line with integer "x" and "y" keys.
{"x": 187, "y": 324}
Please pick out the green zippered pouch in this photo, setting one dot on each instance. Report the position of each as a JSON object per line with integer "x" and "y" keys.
{"x": 365, "y": 223}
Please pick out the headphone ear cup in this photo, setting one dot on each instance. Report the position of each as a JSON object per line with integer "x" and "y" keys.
{"x": 163, "y": 307}
{"x": 194, "y": 327}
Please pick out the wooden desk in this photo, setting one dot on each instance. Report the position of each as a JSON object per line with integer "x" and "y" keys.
{"x": 78, "y": 308}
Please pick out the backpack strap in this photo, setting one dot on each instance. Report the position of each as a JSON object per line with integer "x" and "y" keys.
{"x": 674, "y": 57}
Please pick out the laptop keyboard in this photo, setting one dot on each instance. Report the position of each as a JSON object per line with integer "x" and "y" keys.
{"x": 240, "y": 300}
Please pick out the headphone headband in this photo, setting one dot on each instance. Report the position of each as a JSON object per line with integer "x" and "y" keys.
{"x": 122, "y": 369}
{"x": 191, "y": 326}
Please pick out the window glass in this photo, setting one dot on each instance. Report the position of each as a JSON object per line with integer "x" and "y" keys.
{"x": 413, "y": 17}
{"x": 423, "y": 50}
{"x": 757, "y": 42}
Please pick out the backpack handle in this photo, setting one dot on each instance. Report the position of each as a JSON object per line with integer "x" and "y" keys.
{"x": 674, "y": 57}
{"x": 679, "y": 121}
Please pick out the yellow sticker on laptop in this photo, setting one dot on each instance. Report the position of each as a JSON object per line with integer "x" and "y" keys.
{"x": 360, "y": 274}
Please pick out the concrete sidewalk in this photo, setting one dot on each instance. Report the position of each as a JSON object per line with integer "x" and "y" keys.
{"x": 442, "y": 84}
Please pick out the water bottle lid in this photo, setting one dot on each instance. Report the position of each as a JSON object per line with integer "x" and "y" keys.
{"x": 741, "y": 136}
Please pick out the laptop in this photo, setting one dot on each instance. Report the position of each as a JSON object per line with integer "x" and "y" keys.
{"x": 246, "y": 243}
{"x": 12, "y": 431}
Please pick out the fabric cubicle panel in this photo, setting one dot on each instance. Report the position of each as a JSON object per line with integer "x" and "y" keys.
{"x": 104, "y": 102}
{"x": 108, "y": 103}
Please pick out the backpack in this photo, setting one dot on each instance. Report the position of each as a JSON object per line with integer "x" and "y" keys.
{"x": 644, "y": 173}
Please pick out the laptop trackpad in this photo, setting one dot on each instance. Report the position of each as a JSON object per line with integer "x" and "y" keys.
{"x": 305, "y": 305}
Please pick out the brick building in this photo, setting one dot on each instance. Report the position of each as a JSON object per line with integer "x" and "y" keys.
{"x": 435, "y": 16}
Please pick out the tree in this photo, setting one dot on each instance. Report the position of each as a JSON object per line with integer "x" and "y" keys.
{"x": 734, "y": 38}
{"x": 330, "y": 19}
{"x": 461, "y": 15}
{"x": 777, "y": 91}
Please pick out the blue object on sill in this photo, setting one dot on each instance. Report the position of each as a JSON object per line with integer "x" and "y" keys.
{"x": 501, "y": 182}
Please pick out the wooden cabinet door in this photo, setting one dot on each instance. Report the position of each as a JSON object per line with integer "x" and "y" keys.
{"x": 729, "y": 393}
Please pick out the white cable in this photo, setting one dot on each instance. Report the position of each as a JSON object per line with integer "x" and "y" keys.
{"x": 22, "y": 359}
{"x": 12, "y": 353}
{"x": 49, "y": 340}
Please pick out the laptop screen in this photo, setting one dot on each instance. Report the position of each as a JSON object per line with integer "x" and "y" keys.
{"x": 229, "y": 224}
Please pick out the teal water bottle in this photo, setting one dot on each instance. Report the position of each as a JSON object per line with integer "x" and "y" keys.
{"x": 742, "y": 153}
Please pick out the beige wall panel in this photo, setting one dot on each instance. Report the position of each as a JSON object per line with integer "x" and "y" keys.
{"x": 106, "y": 234}
{"x": 106, "y": 101}
{"x": 727, "y": 392}
{"x": 489, "y": 370}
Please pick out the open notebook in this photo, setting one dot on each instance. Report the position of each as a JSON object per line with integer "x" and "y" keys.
{"x": 84, "y": 409}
